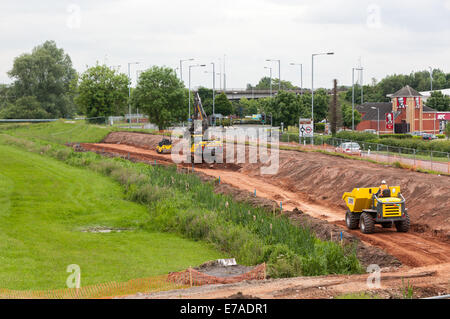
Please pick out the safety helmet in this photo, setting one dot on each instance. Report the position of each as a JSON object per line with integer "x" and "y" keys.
{"x": 383, "y": 182}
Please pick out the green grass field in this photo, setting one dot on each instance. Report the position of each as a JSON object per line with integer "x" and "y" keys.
{"x": 44, "y": 206}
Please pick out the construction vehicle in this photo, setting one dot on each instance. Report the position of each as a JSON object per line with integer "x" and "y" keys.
{"x": 370, "y": 206}
{"x": 165, "y": 146}
{"x": 198, "y": 139}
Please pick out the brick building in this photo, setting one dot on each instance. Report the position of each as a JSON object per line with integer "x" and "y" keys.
{"x": 410, "y": 114}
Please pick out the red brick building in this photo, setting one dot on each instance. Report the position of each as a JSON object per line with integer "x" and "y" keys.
{"x": 410, "y": 114}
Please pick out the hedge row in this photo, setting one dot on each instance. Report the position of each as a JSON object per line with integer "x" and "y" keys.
{"x": 418, "y": 144}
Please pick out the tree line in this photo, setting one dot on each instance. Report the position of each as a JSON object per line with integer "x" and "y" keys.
{"x": 45, "y": 85}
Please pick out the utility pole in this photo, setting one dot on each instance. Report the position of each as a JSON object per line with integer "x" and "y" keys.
{"x": 431, "y": 78}
{"x": 353, "y": 96}
{"x": 312, "y": 84}
{"x": 214, "y": 93}
{"x": 224, "y": 75}
{"x": 301, "y": 76}
{"x": 266, "y": 67}
{"x": 279, "y": 72}
{"x": 181, "y": 67}
{"x": 129, "y": 89}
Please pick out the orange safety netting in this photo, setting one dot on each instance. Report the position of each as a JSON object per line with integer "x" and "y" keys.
{"x": 179, "y": 280}
{"x": 194, "y": 277}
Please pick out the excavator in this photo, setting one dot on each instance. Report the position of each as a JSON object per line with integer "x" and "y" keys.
{"x": 199, "y": 140}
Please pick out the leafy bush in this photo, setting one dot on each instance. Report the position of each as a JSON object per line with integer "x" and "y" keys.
{"x": 356, "y": 136}
{"x": 319, "y": 127}
{"x": 399, "y": 136}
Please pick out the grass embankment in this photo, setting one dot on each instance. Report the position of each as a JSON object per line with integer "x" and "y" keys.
{"x": 183, "y": 204}
{"x": 44, "y": 207}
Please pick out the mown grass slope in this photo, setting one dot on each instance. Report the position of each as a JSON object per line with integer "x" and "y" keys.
{"x": 44, "y": 207}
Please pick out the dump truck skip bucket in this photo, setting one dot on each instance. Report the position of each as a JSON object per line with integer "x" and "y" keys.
{"x": 361, "y": 198}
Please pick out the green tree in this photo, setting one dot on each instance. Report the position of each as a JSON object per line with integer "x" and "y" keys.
{"x": 27, "y": 107}
{"x": 438, "y": 101}
{"x": 48, "y": 75}
{"x": 249, "y": 107}
{"x": 102, "y": 92}
{"x": 207, "y": 99}
{"x": 223, "y": 105}
{"x": 447, "y": 130}
{"x": 347, "y": 116}
{"x": 264, "y": 84}
{"x": 161, "y": 95}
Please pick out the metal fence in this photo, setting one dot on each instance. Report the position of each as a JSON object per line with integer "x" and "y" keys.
{"x": 401, "y": 156}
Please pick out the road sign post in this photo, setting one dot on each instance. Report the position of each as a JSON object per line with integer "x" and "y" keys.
{"x": 305, "y": 129}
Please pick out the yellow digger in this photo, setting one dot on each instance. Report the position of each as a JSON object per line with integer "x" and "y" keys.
{"x": 213, "y": 146}
{"x": 370, "y": 206}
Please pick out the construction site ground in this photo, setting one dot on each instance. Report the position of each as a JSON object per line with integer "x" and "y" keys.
{"x": 310, "y": 185}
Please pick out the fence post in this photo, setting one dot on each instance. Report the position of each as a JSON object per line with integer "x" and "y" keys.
{"x": 190, "y": 275}
{"x": 431, "y": 160}
{"x": 448, "y": 162}
{"x": 388, "y": 153}
{"x": 414, "y": 150}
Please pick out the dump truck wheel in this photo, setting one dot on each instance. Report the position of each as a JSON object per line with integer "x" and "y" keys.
{"x": 403, "y": 225}
{"x": 386, "y": 225}
{"x": 366, "y": 223}
{"x": 352, "y": 220}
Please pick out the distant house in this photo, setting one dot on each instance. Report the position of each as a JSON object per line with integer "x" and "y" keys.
{"x": 410, "y": 114}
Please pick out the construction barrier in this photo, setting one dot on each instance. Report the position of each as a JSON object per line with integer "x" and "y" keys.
{"x": 179, "y": 280}
{"x": 194, "y": 277}
{"x": 99, "y": 291}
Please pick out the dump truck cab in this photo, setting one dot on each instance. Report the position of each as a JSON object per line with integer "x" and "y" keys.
{"x": 369, "y": 206}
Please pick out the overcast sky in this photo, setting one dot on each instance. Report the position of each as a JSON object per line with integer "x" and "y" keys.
{"x": 388, "y": 37}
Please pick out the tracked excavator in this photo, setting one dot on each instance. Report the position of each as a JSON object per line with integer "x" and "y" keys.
{"x": 199, "y": 140}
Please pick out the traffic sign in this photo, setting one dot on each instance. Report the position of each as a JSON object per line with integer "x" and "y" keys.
{"x": 306, "y": 128}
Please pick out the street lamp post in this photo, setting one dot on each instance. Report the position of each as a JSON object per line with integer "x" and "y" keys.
{"x": 362, "y": 86}
{"x": 266, "y": 67}
{"x": 312, "y": 84}
{"x": 190, "y": 67}
{"x": 431, "y": 78}
{"x": 214, "y": 93}
{"x": 181, "y": 67}
{"x": 279, "y": 72}
{"x": 353, "y": 96}
{"x": 129, "y": 89}
{"x": 301, "y": 76}
{"x": 378, "y": 118}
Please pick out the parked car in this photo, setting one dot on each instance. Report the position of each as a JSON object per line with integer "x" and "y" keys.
{"x": 350, "y": 148}
{"x": 417, "y": 133}
{"x": 429, "y": 137}
{"x": 370, "y": 131}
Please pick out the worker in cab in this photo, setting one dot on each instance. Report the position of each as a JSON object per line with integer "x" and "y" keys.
{"x": 384, "y": 189}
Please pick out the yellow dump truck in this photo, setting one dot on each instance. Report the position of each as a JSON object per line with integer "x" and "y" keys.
{"x": 369, "y": 206}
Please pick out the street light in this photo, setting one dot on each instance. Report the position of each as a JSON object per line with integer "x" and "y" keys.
{"x": 431, "y": 78}
{"x": 279, "y": 72}
{"x": 312, "y": 85}
{"x": 192, "y": 66}
{"x": 181, "y": 67}
{"x": 266, "y": 67}
{"x": 353, "y": 96}
{"x": 214, "y": 93}
{"x": 301, "y": 76}
{"x": 129, "y": 89}
{"x": 378, "y": 118}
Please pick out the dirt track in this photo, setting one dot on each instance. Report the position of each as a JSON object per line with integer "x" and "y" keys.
{"x": 314, "y": 182}
{"x": 426, "y": 281}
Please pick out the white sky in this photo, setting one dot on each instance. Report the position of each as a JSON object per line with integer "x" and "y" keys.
{"x": 389, "y": 36}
